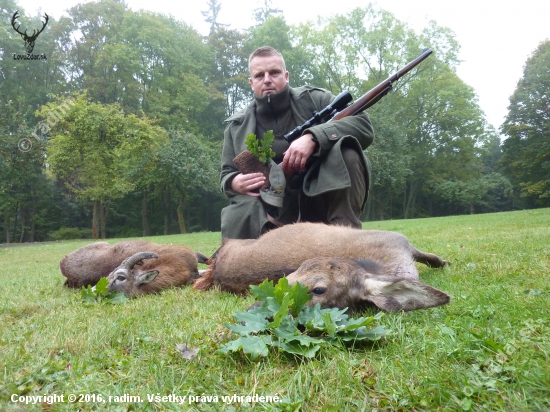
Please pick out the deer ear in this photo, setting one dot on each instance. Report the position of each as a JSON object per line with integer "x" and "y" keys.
{"x": 396, "y": 294}
{"x": 145, "y": 277}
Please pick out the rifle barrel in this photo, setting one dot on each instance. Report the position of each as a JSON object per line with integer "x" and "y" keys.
{"x": 364, "y": 102}
{"x": 372, "y": 96}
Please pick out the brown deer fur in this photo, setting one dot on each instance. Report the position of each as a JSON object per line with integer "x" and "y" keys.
{"x": 177, "y": 265}
{"x": 240, "y": 263}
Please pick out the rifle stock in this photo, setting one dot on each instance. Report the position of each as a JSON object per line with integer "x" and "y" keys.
{"x": 364, "y": 102}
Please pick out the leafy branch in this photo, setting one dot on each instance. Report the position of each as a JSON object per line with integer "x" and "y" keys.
{"x": 261, "y": 149}
{"x": 100, "y": 293}
{"x": 284, "y": 321}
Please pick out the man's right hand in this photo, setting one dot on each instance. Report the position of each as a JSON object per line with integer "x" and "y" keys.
{"x": 245, "y": 184}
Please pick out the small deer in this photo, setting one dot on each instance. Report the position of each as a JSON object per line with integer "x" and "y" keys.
{"x": 29, "y": 40}
{"x": 240, "y": 263}
{"x": 134, "y": 267}
{"x": 360, "y": 283}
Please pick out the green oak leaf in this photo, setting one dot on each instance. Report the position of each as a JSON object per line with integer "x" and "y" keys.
{"x": 282, "y": 312}
{"x": 100, "y": 293}
{"x": 250, "y": 323}
{"x": 263, "y": 290}
{"x": 299, "y": 349}
{"x": 330, "y": 326}
{"x": 255, "y": 346}
{"x": 300, "y": 296}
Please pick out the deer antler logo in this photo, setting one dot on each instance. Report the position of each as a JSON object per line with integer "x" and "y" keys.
{"x": 29, "y": 40}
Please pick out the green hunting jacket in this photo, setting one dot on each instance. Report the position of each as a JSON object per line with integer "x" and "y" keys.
{"x": 328, "y": 172}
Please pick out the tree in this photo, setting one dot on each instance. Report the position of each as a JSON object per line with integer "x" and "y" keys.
{"x": 211, "y": 15}
{"x": 485, "y": 190}
{"x": 25, "y": 84}
{"x": 262, "y": 13}
{"x": 526, "y": 150}
{"x": 146, "y": 62}
{"x": 428, "y": 129}
{"x": 97, "y": 151}
{"x": 231, "y": 64}
{"x": 188, "y": 164}
{"x": 99, "y": 61}
{"x": 23, "y": 185}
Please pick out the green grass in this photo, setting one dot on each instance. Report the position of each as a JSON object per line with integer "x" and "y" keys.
{"x": 486, "y": 350}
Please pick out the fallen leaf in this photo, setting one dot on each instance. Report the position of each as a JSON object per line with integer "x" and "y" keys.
{"x": 185, "y": 352}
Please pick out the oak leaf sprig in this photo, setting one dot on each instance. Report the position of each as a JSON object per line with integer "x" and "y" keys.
{"x": 283, "y": 321}
{"x": 261, "y": 149}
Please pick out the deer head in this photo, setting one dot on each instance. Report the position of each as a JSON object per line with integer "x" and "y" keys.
{"x": 29, "y": 40}
{"x": 127, "y": 277}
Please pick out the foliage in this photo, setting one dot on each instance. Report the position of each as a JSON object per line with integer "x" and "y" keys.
{"x": 263, "y": 13}
{"x": 231, "y": 69}
{"x": 188, "y": 166}
{"x": 100, "y": 293}
{"x": 25, "y": 191}
{"x": 440, "y": 127}
{"x": 282, "y": 317}
{"x": 145, "y": 61}
{"x": 212, "y": 15}
{"x": 65, "y": 233}
{"x": 96, "y": 149}
{"x": 475, "y": 191}
{"x": 526, "y": 151}
{"x": 261, "y": 148}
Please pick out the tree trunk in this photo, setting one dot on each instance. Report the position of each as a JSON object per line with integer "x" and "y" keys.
{"x": 380, "y": 211}
{"x": 32, "y": 234}
{"x": 166, "y": 206}
{"x": 15, "y": 222}
{"x": 23, "y": 222}
{"x": 409, "y": 210}
{"x": 95, "y": 219}
{"x": 7, "y": 222}
{"x": 181, "y": 219}
{"x": 145, "y": 214}
{"x": 103, "y": 219}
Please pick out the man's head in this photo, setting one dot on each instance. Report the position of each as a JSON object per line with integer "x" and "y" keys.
{"x": 267, "y": 69}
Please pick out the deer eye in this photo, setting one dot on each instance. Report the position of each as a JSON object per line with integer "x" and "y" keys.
{"x": 121, "y": 278}
{"x": 319, "y": 291}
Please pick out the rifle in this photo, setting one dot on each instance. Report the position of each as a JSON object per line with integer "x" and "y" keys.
{"x": 334, "y": 110}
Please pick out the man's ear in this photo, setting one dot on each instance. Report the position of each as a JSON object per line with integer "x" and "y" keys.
{"x": 145, "y": 277}
{"x": 394, "y": 295}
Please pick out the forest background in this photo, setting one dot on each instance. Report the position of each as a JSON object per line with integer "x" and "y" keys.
{"x": 118, "y": 132}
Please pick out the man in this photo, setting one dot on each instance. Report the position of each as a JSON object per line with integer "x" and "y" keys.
{"x": 323, "y": 176}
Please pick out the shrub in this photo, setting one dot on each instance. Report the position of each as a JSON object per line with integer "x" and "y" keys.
{"x": 67, "y": 233}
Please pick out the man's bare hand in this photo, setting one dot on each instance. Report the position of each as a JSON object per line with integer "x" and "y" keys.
{"x": 245, "y": 184}
{"x": 296, "y": 156}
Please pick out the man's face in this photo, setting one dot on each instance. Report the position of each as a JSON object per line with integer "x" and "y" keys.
{"x": 267, "y": 75}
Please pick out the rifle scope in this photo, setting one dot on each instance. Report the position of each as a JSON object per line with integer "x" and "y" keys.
{"x": 337, "y": 105}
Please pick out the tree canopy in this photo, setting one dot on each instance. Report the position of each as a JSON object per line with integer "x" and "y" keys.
{"x": 526, "y": 150}
{"x": 123, "y": 122}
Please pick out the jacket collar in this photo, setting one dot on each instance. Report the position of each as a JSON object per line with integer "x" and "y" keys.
{"x": 296, "y": 93}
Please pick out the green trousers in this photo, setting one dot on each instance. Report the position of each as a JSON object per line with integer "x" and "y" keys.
{"x": 246, "y": 216}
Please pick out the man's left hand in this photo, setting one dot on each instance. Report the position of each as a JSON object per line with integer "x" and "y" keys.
{"x": 296, "y": 156}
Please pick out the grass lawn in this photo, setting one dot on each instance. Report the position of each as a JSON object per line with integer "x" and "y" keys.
{"x": 486, "y": 350}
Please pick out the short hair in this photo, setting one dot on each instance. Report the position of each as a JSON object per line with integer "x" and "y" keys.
{"x": 266, "y": 51}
